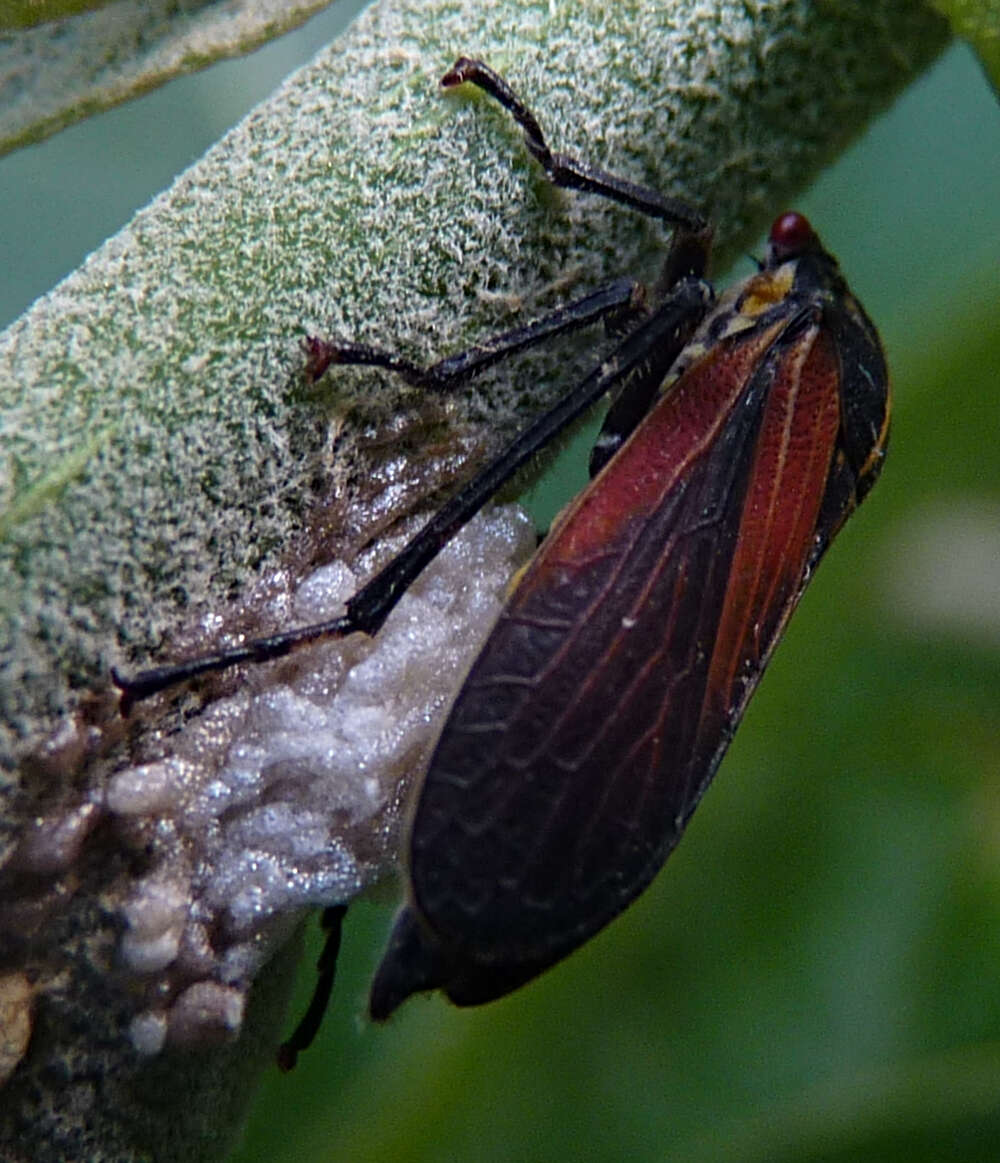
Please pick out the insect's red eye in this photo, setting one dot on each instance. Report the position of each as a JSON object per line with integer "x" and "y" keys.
{"x": 791, "y": 235}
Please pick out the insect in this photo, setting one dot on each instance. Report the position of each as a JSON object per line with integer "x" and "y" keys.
{"x": 743, "y": 431}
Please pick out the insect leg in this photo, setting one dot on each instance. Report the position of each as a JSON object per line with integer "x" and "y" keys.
{"x": 305, "y": 1032}
{"x": 622, "y": 297}
{"x": 566, "y": 171}
{"x": 687, "y": 260}
{"x": 640, "y": 354}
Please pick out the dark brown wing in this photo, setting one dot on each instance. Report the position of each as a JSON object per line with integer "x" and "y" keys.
{"x": 602, "y": 702}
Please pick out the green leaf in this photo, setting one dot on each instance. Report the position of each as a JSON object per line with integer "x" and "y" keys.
{"x": 56, "y": 71}
{"x": 978, "y": 22}
{"x": 31, "y": 13}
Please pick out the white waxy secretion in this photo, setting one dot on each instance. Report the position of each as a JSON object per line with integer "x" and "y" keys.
{"x": 291, "y": 793}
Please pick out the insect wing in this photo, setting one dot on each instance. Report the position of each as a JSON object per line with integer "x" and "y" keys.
{"x": 602, "y": 702}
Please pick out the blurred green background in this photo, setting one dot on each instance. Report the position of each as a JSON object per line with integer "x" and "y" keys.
{"x": 816, "y": 976}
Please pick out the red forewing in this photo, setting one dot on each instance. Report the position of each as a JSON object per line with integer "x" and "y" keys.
{"x": 603, "y": 700}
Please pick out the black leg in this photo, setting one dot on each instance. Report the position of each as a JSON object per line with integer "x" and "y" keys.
{"x": 566, "y": 171}
{"x": 640, "y": 357}
{"x": 687, "y": 260}
{"x": 633, "y": 372}
{"x": 332, "y": 921}
{"x": 622, "y": 297}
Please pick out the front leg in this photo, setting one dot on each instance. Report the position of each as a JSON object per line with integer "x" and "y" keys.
{"x": 563, "y": 170}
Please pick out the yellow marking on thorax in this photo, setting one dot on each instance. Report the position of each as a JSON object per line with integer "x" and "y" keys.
{"x": 766, "y": 289}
